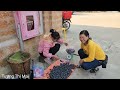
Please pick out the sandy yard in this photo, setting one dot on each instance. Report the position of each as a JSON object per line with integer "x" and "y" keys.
{"x": 104, "y": 19}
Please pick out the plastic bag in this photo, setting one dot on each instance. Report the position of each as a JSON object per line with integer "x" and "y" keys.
{"x": 38, "y": 71}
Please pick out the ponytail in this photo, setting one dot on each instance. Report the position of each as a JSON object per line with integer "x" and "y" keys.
{"x": 54, "y": 34}
{"x": 52, "y": 30}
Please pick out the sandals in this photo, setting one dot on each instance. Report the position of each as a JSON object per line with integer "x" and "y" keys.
{"x": 94, "y": 70}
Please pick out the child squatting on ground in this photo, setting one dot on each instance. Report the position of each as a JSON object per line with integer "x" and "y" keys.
{"x": 91, "y": 53}
{"x": 50, "y": 45}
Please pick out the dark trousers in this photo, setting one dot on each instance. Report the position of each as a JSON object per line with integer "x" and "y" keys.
{"x": 88, "y": 65}
{"x": 52, "y": 50}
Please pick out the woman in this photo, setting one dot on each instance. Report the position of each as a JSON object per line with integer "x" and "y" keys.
{"x": 91, "y": 54}
{"x": 50, "y": 45}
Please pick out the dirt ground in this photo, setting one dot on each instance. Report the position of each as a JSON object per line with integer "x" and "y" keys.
{"x": 104, "y": 19}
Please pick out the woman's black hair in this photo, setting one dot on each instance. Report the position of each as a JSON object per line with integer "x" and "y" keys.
{"x": 54, "y": 34}
{"x": 86, "y": 33}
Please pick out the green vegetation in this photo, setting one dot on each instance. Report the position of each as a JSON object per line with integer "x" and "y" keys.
{"x": 18, "y": 57}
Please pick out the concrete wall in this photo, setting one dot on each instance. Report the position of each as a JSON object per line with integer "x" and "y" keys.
{"x": 9, "y": 43}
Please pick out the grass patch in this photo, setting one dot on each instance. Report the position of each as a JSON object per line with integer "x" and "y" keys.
{"x": 19, "y": 57}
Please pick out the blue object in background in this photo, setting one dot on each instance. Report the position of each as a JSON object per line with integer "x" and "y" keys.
{"x": 38, "y": 71}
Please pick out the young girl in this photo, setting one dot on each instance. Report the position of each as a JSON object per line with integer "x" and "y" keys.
{"x": 50, "y": 45}
{"x": 91, "y": 53}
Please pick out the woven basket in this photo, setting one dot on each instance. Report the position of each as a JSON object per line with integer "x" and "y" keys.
{"x": 22, "y": 67}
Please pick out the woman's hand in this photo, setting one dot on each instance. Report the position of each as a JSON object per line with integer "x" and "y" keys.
{"x": 66, "y": 44}
{"x": 55, "y": 57}
{"x": 81, "y": 61}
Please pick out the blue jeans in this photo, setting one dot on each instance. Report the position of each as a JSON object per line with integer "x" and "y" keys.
{"x": 88, "y": 65}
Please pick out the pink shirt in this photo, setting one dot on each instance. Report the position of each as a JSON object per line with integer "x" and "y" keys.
{"x": 45, "y": 45}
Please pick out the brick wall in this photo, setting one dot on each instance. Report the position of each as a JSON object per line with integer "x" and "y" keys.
{"x": 31, "y": 46}
{"x": 9, "y": 42}
{"x": 57, "y": 20}
{"x": 46, "y": 21}
{"x": 8, "y": 39}
{"x": 52, "y": 19}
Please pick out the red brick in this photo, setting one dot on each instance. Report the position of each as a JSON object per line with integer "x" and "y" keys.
{"x": 14, "y": 48}
{"x": 3, "y": 24}
{"x": 2, "y": 59}
{"x": 1, "y": 54}
{"x": 4, "y": 14}
{"x": 11, "y": 21}
{"x": 5, "y": 33}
